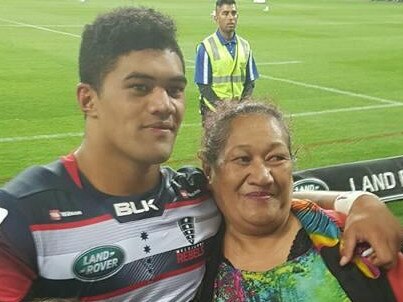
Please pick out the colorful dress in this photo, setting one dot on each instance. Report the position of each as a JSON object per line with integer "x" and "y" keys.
{"x": 311, "y": 272}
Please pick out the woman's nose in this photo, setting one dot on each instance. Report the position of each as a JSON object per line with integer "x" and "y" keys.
{"x": 260, "y": 174}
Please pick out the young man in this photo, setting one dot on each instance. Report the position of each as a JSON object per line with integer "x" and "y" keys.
{"x": 107, "y": 223}
{"x": 225, "y": 68}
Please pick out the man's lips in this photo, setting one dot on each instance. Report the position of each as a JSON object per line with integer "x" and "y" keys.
{"x": 161, "y": 126}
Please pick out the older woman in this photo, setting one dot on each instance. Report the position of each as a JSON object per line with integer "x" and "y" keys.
{"x": 274, "y": 248}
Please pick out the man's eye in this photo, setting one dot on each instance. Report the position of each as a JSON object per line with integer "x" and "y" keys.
{"x": 139, "y": 87}
{"x": 176, "y": 92}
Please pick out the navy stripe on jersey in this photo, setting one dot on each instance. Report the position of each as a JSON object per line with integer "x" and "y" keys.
{"x": 99, "y": 247}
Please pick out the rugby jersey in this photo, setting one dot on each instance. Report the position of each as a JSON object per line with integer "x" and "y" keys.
{"x": 60, "y": 237}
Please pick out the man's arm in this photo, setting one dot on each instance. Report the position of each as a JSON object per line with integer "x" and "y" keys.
{"x": 247, "y": 90}
{"x": 17, "y": 252}
{"x": 15, "y": 277}
{"x": 208, "y": 93}
{"x": 325, "y": 199}
{"x": 203, "y": 76}
{"x": 369, "y": 220}
{"x": 251, "y": 76}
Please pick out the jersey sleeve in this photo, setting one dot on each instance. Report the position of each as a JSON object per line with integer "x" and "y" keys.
{"x": 17, "y": 252}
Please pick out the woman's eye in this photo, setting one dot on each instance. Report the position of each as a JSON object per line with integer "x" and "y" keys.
{"x": 277, "y": 159}
{"x": 139, "y": 87}
{"x": 242, "y": 160}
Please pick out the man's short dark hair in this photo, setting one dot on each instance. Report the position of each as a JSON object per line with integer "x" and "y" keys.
{"x": 220, "y": 3}
{"x": 119, "y": 32}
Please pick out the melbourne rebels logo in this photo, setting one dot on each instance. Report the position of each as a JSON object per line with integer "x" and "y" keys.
{"x": 187, "y": 226}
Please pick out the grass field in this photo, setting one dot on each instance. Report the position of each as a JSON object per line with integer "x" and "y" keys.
{"x": 335, "y": 66}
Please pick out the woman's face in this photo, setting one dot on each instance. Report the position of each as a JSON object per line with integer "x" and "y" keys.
{"x": 252, "y": 179}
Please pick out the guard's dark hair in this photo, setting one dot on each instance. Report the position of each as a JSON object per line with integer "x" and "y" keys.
{"x": 220, "y": 3}
{"x": 119, "y": 32}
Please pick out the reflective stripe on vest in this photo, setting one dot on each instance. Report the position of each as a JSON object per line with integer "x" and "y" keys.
{"x": 228, "y": 74}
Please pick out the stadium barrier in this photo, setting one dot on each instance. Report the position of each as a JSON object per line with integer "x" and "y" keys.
{"x": 383, "y": 177}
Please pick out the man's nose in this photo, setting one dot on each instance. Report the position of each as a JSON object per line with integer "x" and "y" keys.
{"x": 161, "y": 102}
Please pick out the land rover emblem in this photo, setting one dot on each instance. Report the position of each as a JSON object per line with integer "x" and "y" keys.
{"x": 99, "y": 263}
{"x": 310, "y": 184}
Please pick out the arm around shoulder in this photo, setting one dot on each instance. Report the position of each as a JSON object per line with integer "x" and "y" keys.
{"x": 369, "y": 220}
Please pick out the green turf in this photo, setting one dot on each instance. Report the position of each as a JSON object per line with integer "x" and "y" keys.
{"x": 349, "y": 57}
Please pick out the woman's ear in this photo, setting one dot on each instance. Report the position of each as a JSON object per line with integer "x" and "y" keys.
{"x": 208, "y": 172}
{"x": 86, "y": 99}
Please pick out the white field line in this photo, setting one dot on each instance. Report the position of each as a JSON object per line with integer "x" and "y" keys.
{"x": 39, "y": 25}
{"x": 279, "y": 63}
{"x": 302, "y": 114}
{"x": 307, "y": 23}
{"x": 388, "y": 103}
{"x": 334, "y": 90}
{"x": 40, "y": 28}
{"x": 354, "y": 23}
{"x": 349, "y": 109}
{"x": 258, "y": 64}
{"x": 39, "y": 137}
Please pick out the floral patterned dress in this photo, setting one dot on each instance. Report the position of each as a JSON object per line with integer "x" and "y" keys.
{"x": 303, "y": 277}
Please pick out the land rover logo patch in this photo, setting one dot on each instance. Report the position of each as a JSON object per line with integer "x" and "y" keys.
{"x": 310, "y": 184}
{"x": 98, "y": 263}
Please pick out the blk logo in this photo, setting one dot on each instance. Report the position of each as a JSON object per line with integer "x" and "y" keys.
{"x": 131, "y": 207}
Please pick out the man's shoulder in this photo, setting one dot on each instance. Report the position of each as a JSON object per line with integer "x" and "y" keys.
{"x": 243, "y": 40}
{"x": 36, "y": 179}
{"x": 189, "y": 173}
{"x": 210, "y": 36}
{"x": 187, "y": 181}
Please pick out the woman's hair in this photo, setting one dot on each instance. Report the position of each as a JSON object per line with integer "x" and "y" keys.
{"x": 217, "y": 127}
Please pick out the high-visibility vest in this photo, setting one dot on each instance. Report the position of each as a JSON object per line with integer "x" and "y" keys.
{"x": 228, "y": 74}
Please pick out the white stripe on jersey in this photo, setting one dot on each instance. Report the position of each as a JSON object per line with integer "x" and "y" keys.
{"x": 55, "y": 261}
{"x": 180, "y": 288}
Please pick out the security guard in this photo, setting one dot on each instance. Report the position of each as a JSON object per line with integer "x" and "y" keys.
{"x": 225, "y": 68}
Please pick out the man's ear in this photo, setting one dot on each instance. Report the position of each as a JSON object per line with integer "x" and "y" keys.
{"x": 86, "y": 97}
{"x": 214, "y": 14}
